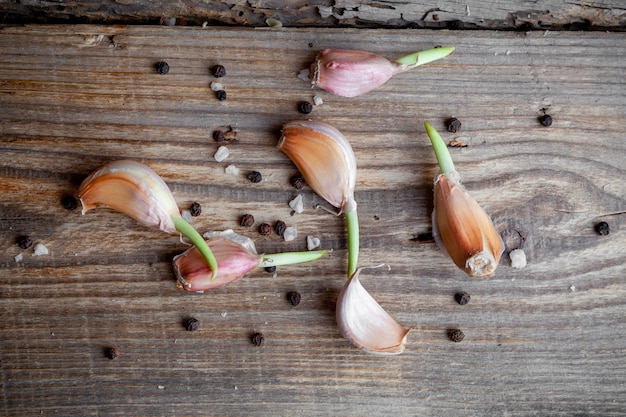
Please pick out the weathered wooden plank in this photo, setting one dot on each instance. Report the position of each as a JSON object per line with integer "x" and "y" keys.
{"x": 456, "y": 14}
{"x": 545, "y": 340}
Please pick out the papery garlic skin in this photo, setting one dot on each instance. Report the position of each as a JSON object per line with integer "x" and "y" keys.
{"x": 233, "y": 262}
{"x": 325, "y": 159}
{"x": 350, "y": 73}
{"x": 363, "y": 322}
{"x": 133, "y": 189}
{"x": 463, "y": 229}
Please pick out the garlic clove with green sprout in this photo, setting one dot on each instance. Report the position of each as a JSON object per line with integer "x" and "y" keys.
{"x": 460, "y": 226}
{"x": 350, "y": 73}
{"x": 327, "y": 162}
{"x": 136, "y": 190}
{"x": 233, "y": 260}
{"x": 365, "y": 323}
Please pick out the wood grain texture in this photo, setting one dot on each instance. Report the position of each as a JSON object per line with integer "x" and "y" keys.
{"x": 549, "y": 339}
{"x": 457, "y": 14}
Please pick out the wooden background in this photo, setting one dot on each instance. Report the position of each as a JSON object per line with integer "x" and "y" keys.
{"x": 547, "y": 340}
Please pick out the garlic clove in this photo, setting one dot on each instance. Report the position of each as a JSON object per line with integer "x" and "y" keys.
{"x": 350, "y": 73}
{"x": 133, "y": 189}
{"x": 233, "y": 261}
{"x": 464, "y": 229}
{"x": 365, "y": 323}
{"x": 325, "y": 159}
{"x": 460, "y": 226}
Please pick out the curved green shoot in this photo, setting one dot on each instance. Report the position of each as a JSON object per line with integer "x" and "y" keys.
{"x": 441, "y": 150}
{"x": 290, "y": 258}
{"x": 424, "y": 57}
{"x": 190, "y": 233}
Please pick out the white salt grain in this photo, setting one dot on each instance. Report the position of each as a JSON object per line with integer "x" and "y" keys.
{"x": 518, "y": 258}
{"x": 304, "y": 74}
{"x": 223, "y": 314}
{"x": 40, "y": 249}
{"x": 317, "y": 100}
{"x": 290, "y": 233}
{"x": 18, "y": 257}
{"x": 186, "y": 215}
{"x": 215, "y": 86}
{"x": 297, "y": 204}
{"x": 312, "y": 242}
{"x": 221, "y": 154}
{"x": 231, "y": 170}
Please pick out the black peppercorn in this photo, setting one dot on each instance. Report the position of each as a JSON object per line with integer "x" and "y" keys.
{"x": 602, "y": 228}
{"x": 280, "y": 227}
{"x": 453, "y": 124}
{"x": 258, "y": 339}
{"x": 69, "y": 202}
{"x": 24, "y": 242}
{"x": 462, "y": 297}
{"x": 195, "y": 209}
{"x": 219, "y": 136}
{"x": 305, "y": 107}
{"x": 218, "y": 71}
{"x": 270, "y": 269}
{"x": 246, "y": 220}
{"x": 162, "y": 67}
{"x": 192, "y": 324}
{"x": 112, "y": 353}
{"x": 456, "y": 335}
{"x": 294, "y": 297}
{"x": 298, "y": 181}
{"x": 546, "y": 120}
{"x": 265, "y": 229}
{"x": 221, "y": 95}
{"x": 255, "y": 177}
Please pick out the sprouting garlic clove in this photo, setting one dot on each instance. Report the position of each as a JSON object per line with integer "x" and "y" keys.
{"x": 233, "y": 262}
{"x": 325, "y": 159}
{"x": 350, "y": 73}
{"x": 133, "y": 189}
{"x": 463, "y": 228}
{"x": 460, "y": 226}
{"x": 365, "y": 323}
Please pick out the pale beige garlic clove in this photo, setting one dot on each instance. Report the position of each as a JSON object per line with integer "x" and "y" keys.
{"x": 136, "y": 190}
{"x": 131, "y": 188}
{"x": 365, "y": 323}
{"x": 327, "y": 162}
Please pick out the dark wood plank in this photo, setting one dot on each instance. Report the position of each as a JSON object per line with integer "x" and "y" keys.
{"x": 454, "y": 14}
{"x": 545, "y": 340}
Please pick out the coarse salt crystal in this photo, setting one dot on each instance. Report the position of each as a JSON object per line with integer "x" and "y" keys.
{"x": 312, "y": 242}
{"x": 304, "y": 74}
{"x": 317, "y": 100}
{"x": 18, "y": 257}
{"x": 297, "y": 204}
{"x": 290, "y": 233}
{"x": 40, "y": 249}
{"x": 215, "y": 86}
{"x": 221, "y": 154}
{"x": 231, "y": 170}
{"x": 223, "y": 314}
{"x": 518, "y": 258}
{"x": 186, "y": 215}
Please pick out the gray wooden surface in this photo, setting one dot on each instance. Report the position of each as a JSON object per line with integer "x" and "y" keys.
{"x": 547, "y": 340}
{"x": 457, "y": 14}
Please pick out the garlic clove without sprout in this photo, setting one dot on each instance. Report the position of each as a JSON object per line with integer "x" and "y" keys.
{"x": 350, "y": 73}
{"x": 365, "y": 323}
{"x": 460, "y": 226}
